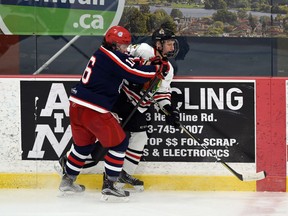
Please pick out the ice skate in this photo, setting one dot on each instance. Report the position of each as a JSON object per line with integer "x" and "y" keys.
{"x": 68, "y": 185}
{"x": 112, "y": 193}
{"x": 126, "y": 179}
{"x": 59, "y": 166}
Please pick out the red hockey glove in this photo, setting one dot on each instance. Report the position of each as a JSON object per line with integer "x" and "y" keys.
{"x": 163, "y": 69}
{"x": 139, "y": 61}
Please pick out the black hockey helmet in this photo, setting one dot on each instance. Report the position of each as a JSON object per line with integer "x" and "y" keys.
{"x": 163, "y": 34}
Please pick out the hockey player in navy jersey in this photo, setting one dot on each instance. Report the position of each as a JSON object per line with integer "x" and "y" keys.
{"x": 91, "y": 101}
{"x": 164, "y": 45}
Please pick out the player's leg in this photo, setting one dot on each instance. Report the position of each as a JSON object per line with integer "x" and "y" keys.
{"x": 133, "y": 156}
{"x": 136, "y": 128}
{"x": 72, "y": 167}
{"x": 97, "y": 154}
{"x": 115, "y": 140}
{"x": 113, "y": 162}
{"x": 83, "y": 145}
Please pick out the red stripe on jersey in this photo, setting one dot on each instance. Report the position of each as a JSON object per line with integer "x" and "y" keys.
{"x": 114, "y": 161}
{"x": 135, "y": 96}
{"x": 131, "y": 93}
{"x": 126, "y": 67}
{"x": 160, "y": 96}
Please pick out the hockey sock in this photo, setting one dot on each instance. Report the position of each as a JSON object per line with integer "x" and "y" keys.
{"x": 76, "y": 159}
{"x": 114, "y": 159}
{"x": 134, "y": 152}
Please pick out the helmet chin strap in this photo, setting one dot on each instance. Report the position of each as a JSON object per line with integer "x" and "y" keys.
{"x": 160, "y": 51}
{"x": 161, "y": 54}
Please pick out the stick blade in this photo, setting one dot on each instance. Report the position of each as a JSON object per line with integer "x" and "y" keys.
{"x": 254, "y": 176}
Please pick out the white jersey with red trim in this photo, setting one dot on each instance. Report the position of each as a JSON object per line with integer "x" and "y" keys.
{"x": 161, "y": 93}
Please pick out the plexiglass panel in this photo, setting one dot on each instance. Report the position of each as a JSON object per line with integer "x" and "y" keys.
{"x": 217, "y": 38}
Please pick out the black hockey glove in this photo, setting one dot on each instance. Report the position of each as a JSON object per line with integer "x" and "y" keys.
{"x": 172, "y": 116}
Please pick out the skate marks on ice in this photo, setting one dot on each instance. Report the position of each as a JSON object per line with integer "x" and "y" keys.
{"x": 42, "y": 202}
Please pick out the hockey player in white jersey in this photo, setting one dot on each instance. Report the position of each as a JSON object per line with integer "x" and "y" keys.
{"x": 164, "y": 45}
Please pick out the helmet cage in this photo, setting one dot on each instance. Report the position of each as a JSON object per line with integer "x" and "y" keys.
{"x": 174, "y": 53}
{"x": 162, "y": 35}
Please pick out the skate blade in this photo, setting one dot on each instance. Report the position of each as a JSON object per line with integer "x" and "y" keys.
{"x": 114, "y": 199}
{"x": 139, "y": 188}
{"x": 64, "y": 194}
{"x": 130, "y": 188}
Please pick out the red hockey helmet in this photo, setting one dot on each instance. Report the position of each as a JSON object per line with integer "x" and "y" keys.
{"x": 117, "y": 34}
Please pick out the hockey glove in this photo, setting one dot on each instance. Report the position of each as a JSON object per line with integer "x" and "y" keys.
{"x": 162, "y": 66}
{"x": 163, "y": 69}
{"x": 139, "y": 61}
{"x": 172, "y": 116}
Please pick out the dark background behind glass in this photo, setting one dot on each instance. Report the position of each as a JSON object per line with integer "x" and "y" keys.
{"x": 198, "y": 56}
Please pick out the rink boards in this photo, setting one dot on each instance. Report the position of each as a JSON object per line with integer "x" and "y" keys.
{"x": 243, "y": 120}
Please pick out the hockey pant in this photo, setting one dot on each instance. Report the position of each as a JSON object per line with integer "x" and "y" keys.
{"x": 88, "y": 126}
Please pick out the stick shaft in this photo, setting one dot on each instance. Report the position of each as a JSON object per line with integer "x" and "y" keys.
{"x": 56, "y": 55}
{"x": 101, "y": 153}
{"x": 154, "y": 82}
{"x": 241, "y": 177}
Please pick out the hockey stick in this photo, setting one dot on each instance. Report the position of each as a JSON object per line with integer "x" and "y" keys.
{"x": 153, "y": 83}
{"x": 242, "y": 177}
{"x": 101, "y": 151}
{"x": 56, "y": 55}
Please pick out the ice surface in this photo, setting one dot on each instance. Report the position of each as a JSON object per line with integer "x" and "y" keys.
{"x": 44, "y": 202}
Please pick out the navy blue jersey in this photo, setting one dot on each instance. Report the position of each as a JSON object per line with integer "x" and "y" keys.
{"x": 101, "y": 81}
